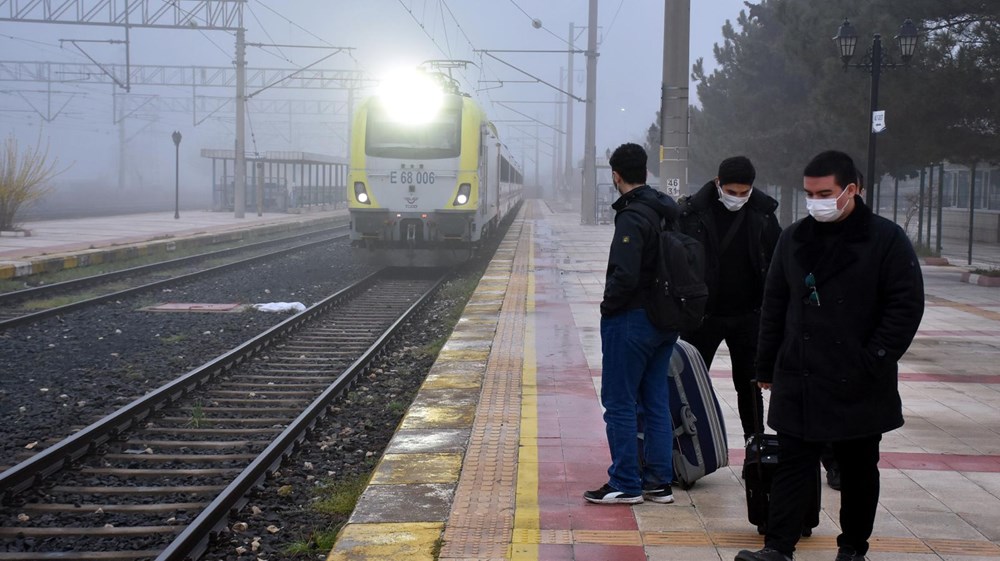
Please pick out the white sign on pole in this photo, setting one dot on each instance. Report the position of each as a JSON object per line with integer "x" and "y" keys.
{"x": 878, "y": 121}
{"x": 672, "y": 187}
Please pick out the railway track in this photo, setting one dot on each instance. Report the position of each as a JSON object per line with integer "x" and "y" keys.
{"x": 16, "y": 308}
{"x": 157, "y": 478}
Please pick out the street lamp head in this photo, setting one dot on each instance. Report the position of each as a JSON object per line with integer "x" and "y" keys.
{"x": 907, "y": 39}
{"x": 177, "y": 138}
{"x": 847, "y": 41}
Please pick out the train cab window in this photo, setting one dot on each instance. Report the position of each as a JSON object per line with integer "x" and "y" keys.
{"x": 440, "y": 138}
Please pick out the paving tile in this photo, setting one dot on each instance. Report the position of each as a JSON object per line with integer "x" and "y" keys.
{"x": 928, "y": 525}
{"x": 681, "y": 553}
{"x": 428, "y": 440}
{"x": 404, "y": 503}
{"x": 937, "y": 483}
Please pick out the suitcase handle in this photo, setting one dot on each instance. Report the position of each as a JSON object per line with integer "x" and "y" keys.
{"x": 688, "y": 422}
{"x": 758, "y": 433}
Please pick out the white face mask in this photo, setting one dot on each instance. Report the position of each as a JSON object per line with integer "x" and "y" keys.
{"x": 732, "y": 202}
{"x": 825, "y": 210}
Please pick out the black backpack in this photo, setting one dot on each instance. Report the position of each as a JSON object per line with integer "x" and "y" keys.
{"x": 678, "y": 295}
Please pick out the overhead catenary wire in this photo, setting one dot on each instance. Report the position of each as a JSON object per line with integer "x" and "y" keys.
{"x": 253, "y": 137}
{"x": 613, "y": 19}
{"x": 214, "y": 44}
{"x": 422, "y": 27}
{"x": 444, "y": 29}
{"x": 282, "y": 54}
{"x": 192, "y": 15}
{"x": 543, "y": 28}
{"x": 282, "y": 16}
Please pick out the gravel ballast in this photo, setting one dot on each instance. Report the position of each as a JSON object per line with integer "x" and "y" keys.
{"x": 62, "y": 373}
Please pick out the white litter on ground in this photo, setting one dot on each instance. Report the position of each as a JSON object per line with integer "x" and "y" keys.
{"x": 281, "y": 307}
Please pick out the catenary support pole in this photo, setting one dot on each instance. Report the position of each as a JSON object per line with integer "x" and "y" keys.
{"x": 674, "y": 97}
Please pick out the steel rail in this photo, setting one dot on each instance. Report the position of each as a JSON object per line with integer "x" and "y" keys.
{"x": 29, "y": 318}
{"x": 29, "y": 472}
{"x": 42, "y": 291}
{"x": 193, "y": 541}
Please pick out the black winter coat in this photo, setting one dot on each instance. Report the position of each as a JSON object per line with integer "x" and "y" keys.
{"x": 834, "y": 366}
{"x": 631, "y": 262}
{"x": 697, "y": 221}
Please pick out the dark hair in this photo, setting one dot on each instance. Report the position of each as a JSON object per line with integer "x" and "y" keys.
{"x": 835, "y": 163}
{"x": 629, "y": 160}
{"x": 737, "y": 169}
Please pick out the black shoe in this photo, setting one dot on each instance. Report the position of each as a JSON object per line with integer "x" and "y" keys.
{"x": 662, "y": 494}
{"x": 766, "y": 554}
{"x": 848, "y": 554}
{"x": 833, "y": 478}
{"x": 608, "y": 495}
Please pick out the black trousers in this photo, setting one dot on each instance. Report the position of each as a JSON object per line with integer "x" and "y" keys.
{"x": 795, "y": 478}
{"x": 740, "y": 334}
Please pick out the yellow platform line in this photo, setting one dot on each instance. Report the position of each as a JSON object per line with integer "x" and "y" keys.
{"x": 526, "y": 511}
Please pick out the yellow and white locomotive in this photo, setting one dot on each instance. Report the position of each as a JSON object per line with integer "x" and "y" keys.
{"x": 429, "y": 179}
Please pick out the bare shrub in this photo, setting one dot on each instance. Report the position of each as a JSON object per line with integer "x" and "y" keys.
{"x": 24, "y": 178}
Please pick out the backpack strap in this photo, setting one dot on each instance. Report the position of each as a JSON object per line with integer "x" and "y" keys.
{"x": 648, "y": 213}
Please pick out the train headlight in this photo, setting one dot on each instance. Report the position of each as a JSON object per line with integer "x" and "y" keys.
{"x": 463, "y": 194}
{"x": 361, "y": 194}
{"x": 411, "y": 97}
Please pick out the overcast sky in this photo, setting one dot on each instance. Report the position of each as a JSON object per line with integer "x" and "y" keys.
{"x": 384, "y": 34}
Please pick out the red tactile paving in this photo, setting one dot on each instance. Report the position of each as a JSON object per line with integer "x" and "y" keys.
{"x": 950, "y": 378}
{"x": 911, "y": 377}
{"x": 918, "y": 461}
{"x": 958, "y": 333}
{"x": 571, "y": 446}
{"x": 941, "y": 462}
{"x": 601, "y": 552}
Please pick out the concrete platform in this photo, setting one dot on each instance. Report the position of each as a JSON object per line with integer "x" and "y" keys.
{"x": 54, "y": 245}
{"x": 492, "y": 459}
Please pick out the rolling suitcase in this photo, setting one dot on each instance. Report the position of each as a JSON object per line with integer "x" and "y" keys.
{"x": 700, "y": 445}
{"x": 758, "y": 473}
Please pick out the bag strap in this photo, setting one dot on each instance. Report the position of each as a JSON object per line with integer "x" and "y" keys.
{"x": 648, "y": 213}
{"x": 731, "y": 232}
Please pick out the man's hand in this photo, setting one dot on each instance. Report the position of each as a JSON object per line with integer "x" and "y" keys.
{"x": 764, "y": 385}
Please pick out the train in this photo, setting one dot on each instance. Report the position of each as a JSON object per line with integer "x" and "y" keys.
{"x": 429, "y": 181}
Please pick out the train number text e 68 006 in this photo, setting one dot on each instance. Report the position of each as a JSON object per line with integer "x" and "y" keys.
{"x": 412, "y": 177}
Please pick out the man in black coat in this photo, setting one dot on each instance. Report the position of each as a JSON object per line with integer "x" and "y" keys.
{"x": 736, "y": 225}
{"x": 842, "y": 302}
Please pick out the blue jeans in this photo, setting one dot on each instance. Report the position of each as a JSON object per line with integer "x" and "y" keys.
{"x": 636, "y": 357}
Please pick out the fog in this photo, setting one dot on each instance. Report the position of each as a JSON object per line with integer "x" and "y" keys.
{"x": 74, "y": 116}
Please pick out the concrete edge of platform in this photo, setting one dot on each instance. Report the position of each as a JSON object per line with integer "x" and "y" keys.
{"x": 403, "y": 511}
{"x": 159, "y": 245}
{"x": 980, "y": 280}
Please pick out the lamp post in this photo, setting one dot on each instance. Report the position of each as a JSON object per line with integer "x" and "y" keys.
{"x": 177, "y": 174}
{"x": 847, "y": 41}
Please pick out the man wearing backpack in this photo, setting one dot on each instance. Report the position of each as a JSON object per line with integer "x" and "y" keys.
{"x": 736, "y": 225}
{"x": 636, "y": 354}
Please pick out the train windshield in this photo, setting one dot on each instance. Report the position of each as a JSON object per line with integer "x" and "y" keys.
{"x": 439, "y": 138}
